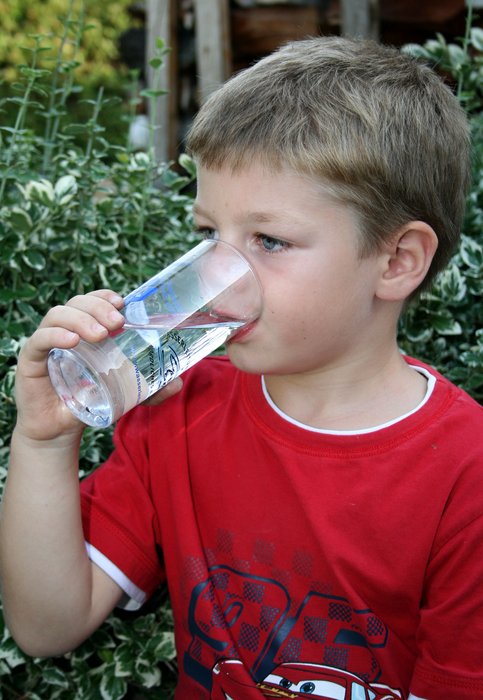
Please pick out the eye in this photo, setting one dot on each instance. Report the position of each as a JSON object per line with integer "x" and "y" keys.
{"x": 307, "y": 687}
{"x": 285, "y": 683}
{"x": 270, "y": 244}
{"x": 208, "y": 233}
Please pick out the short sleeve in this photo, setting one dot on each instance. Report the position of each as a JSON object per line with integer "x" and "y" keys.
{"x": 450, "y": 639}
{"x": 119, "y": 519}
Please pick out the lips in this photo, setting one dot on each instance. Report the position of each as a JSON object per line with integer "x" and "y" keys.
{"x": 242, "y": 333}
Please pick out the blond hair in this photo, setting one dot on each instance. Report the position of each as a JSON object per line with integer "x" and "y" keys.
{"x": 376, "y": 126}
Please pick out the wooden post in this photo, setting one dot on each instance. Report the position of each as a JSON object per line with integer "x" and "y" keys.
{"x": 213, "y": 46}
{"x": 161, "y": 22}
{"x": 360, "y": 18}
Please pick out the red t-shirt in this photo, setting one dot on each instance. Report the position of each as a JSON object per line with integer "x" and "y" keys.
{"x": 349, "y": 564}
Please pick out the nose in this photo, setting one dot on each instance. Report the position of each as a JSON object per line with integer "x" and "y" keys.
{"x": 232, "y": 284}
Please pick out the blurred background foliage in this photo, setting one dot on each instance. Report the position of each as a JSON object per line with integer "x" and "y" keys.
{"x": 98, "y": 52}
{"x": 86, "y": 34}
{"x": 80, "y": 209}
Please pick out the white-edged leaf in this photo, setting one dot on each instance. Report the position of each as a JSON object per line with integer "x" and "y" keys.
{"x": 111, "y": 687}
{"x": 65, "y": 189}
{"x": 34, "y": 259}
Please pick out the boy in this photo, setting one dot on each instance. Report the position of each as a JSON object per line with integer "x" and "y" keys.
{"x": 315, "y": 505}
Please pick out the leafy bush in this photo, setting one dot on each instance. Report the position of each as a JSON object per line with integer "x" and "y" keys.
{"x": 76, "y": 218}
{"x": 446, "y": 327}
{"x": 121, "y": 659}
{"x": 87, "y": 36}
{"x": 97, "y": 53}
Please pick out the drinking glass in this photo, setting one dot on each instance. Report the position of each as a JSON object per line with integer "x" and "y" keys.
{"x": 173, "y": 320}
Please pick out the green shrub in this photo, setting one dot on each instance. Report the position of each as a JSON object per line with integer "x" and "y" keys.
{"x": 74, "y": 218}
{"x": 446, "y": 327}
{"x": 97, "y": 24}
{"x": 86, "y": 34}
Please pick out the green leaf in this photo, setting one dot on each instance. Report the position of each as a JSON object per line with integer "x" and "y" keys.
{"x": 20, "y": 219}
{"x": 188, "y": 164}
{"x": 87, "y": 684}
{"x": 26, "y": 291}
{"x": 5, "y": 670}
{"x": 418, "y": 334}
{"x": 124, "y": 661}
{"x": 162, "y": 646}
{"x": 28, "y": 312}
{"x": 11, "y": 654}
{"x": 65, "y": 188}
{"x": 53, "y": 676}
{"x": 9, "y": 348}
{"x": 445, "y": 324}
{"x": 148, "y": 675}
{"x": 452, "y": 284}
{"x": 156, "y": 62}
{"x": 40, "y": 191}
{"x": 457, "y": 56}
{"x": 77, "y": 129}
{"x": 111, "y": 687}
{"x": 154, "y": 93}
{"x": 476, "y": 38}
{"x": 34, "y": 259}
{"x": 471, "y": 253}
{"x": 415, "y": 50}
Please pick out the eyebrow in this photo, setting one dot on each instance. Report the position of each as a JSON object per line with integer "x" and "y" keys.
{"x": 257, "y": 217}
{"x": 199, "y": 210}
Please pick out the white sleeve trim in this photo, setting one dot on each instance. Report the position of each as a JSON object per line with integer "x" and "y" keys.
{"x": 134, "y": 597}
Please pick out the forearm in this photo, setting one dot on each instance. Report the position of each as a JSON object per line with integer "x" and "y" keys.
{"x": 47, "y": 578}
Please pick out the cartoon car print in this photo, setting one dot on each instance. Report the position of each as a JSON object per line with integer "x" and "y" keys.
{"x": 291, "y": 681}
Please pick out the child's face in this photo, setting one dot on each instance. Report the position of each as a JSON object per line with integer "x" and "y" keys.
{"x": 319, "y": 296}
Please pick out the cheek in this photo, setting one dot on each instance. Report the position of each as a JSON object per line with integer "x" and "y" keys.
{"x": 294, "y": 310}
{"x": 312, "y": 292}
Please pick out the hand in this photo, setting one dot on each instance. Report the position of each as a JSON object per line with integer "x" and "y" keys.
{"x": 41, "y": 414}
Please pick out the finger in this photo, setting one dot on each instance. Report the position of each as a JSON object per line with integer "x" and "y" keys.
{"x": 166, "y": 392}
{"x": 32, "y": 361}
{"x": 103, "y": 305}
{"x": 98, "y": 302}
{"x": 43, "y": 340}
{"x": 84, "y": 324}
{"x": 90, "y": 316}
{"x": 112, "y": 297}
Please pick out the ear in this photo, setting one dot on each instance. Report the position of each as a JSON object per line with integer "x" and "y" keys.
{"x": 405, "y": 261}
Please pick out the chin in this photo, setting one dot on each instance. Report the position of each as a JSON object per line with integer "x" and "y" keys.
{"x": 244, "y": 359}
{"x": 250, "y": 361}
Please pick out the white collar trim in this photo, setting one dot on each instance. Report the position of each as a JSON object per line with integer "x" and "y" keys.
{"x": 431, "y": 379}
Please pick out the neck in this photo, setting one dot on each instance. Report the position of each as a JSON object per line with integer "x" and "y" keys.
{"x": 352, "y": 396}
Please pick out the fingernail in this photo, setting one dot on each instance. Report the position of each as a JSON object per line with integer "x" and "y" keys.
{"x": 97, "y": 328}
{"x": 115, "y": 316}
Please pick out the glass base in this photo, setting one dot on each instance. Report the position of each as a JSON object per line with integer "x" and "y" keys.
{"x": 81, "y": 388}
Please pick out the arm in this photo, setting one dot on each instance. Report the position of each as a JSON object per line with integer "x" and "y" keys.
{"x": 53, "y": 596}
